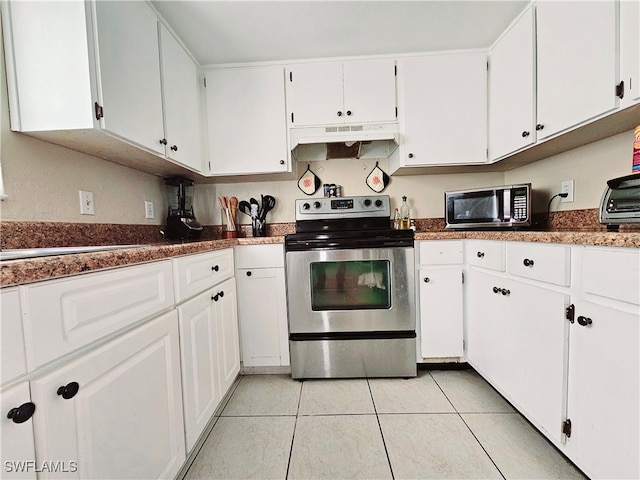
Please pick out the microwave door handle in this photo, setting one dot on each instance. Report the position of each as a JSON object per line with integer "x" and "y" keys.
{"x": 506, "y": 205}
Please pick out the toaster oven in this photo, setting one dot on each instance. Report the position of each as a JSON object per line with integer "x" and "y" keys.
{"x": 620, "y": 202}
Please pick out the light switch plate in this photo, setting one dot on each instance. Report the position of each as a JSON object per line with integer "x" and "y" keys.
{"x": 86, "y": 203}
{"x": 148, "y": 209}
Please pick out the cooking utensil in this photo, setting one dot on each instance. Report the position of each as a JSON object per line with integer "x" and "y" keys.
{"x": 245, "y": 207}
{"x": 268, "y": 203}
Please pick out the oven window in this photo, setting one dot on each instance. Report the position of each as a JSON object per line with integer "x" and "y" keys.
{"x": 350, "y": 285}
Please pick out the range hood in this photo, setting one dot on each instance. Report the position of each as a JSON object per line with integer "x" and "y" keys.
{"x": 344, "y": 141}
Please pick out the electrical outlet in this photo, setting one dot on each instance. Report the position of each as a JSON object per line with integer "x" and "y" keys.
{"x": 567, "y": 187}
{"x": 86, "y": 203}
{"x": 148, "y": 209}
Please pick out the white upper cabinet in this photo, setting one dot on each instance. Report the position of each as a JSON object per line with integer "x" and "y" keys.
{"x": 630, "y": 51}
{"x": 247, "y": 125}
{"x": 181, "y": 98}
{"x": 576, "y": 60}
{"x": 129, "y": 70}
{"x": 443, "y": 119}
{"x": 511, "y": 88}
{"x": 333, "y": 93}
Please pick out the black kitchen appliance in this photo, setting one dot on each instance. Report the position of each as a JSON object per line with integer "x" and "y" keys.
{"x": 351, "y": 292}
{"x": 620, "y": 204}
{"x": 181, "y": 222}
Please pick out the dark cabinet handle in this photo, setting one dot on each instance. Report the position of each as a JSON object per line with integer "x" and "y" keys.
{"x": 339, "y": 113}
{"x": 427, "y": 279}
{"x": 620, "y": 90}
{"x": 217, "y": 296}
{"x": 539, "y": 127}
{"x": 248, "y": 273}
{"x": 348, "y": 113}
{"x": 525, "y": 134}
{"x": 221, "y": 293}
{"x": 22, "y": 413}
{"x": 215, "y": 268}
{"x": 584, "y": 321}
{"x": 163, "y": 141}
{"x": 174, "y": 148}
{"x": 505, "y": 292}
{"x": 527, "y": 262}
{"x": 480, "y": 254}
{"x": 410, "y": 155}
{"x": 496, "y": 290}
{"x": 69, "y": 390}
{"x": 281, "y": 162}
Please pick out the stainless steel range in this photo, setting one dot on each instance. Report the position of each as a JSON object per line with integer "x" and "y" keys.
{"x": 350, "y": 290}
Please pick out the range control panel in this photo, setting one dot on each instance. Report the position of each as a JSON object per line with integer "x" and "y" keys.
{"x": 343, "y": 207}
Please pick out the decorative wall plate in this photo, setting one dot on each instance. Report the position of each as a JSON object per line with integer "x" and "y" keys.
{"x": 309, "y": 182}
{"x": 377, "y": 180}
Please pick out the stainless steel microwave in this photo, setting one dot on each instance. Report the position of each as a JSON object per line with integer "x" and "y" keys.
{"x": 507, "y": 206}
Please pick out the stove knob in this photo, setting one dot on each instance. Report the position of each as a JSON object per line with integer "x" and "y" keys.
{"x": 306, "y": 206}
{"x": 367, "y": 202}
{"x": 316, "y": 204}
{"x": 378, "y": 203}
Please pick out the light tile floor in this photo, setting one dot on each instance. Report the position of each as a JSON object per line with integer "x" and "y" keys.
{"x": 444, "y": 424}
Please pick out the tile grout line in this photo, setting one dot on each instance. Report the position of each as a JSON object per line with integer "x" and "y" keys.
{"x": 468, "y": 428}
{"x": 384, "y": 444}
{"x": 295, "y": 425}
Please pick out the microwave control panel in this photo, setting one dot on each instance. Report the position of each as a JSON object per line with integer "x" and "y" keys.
{"x": 520, "y": 206}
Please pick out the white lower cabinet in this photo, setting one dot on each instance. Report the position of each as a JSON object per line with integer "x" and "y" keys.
{"x": 603, "y": 392}
{"x": 515, "y": 336}
{"x": 115, "y": 411}
{"x": 210, "y": 354}
{"x": 18, "y": 449}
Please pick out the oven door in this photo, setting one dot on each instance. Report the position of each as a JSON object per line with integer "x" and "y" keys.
{"x": 351, "y": 290}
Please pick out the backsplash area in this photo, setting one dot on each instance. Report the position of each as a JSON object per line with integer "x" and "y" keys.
{"x": 57, "y": 234}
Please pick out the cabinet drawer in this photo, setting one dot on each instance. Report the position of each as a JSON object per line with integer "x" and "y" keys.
{"x": 64, "y": 315}
{"x": 485, "y": 254}
{"x": 13, "y": 359}
{"x": 259, "y": 256}
{"x": 438, "y": 252}
{"x": 196, "y": 273}
{"x": 612, "y": 273}
{"x": 547, "y": 263}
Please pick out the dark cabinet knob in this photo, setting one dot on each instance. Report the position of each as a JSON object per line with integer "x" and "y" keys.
{"x": 221, "y": 293}
{"x": 480, "y": 254}
{"x": 505, "y": 292}
{"x": 174, "y": 148}
{"x": 410, "y": 155}
{"x": 248, "y": 273}
{"x": 348, "y": 113}
{"x": 22, "y": 413}
{"x": 496, "y": 290}
{"x": 215, "y": 268}
{"x": 527, "y": 262}
{"x": 427, "y": 279}
{"x": 539, "y": 127}
{"x": 525, "y": 134}
{"x": 339, "y": 113}
{"x": 217, "y": 296}
{"x": 584, "y": 321}
{"x": 282, "y": 162}
{"x": 163, "y": 141}
{"x": 69, "y": 390}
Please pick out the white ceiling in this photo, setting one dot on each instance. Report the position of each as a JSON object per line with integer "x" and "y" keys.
{"x": 240, "y": 31}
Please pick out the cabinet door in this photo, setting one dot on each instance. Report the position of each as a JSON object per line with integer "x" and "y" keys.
{"x": 228, "y": 337}
{"x": 247, "y": 125}
{"x": 315, "y": 94}
{"x": 369, "y": 91}
{"x": 199, "y": 354}
{"x": 441, "y": 312}
{"x": 442, "y": 95}
{"x": 13, "y": 362}
{"x": 181, "y": 99}
{"x": 576, "y": 61}
{"x": 604, "y": 392}
{"x": 262, "y": 313}
{"x": 630, "y": 51}
{"x": 129, "y": 72}
{"x": 18, "y": 452}
{"x": 511, "y": 88}
{"x": 126, "y": 419}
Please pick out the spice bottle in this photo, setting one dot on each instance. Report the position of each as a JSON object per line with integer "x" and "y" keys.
{"x": 404, "y": 215}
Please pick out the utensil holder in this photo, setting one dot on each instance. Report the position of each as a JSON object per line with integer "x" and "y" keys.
{"x": 229, "y": 223}
{"x": 258, "y": 227}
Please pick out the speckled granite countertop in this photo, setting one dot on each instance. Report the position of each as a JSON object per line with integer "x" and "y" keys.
{"x": 16, "y": 272}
